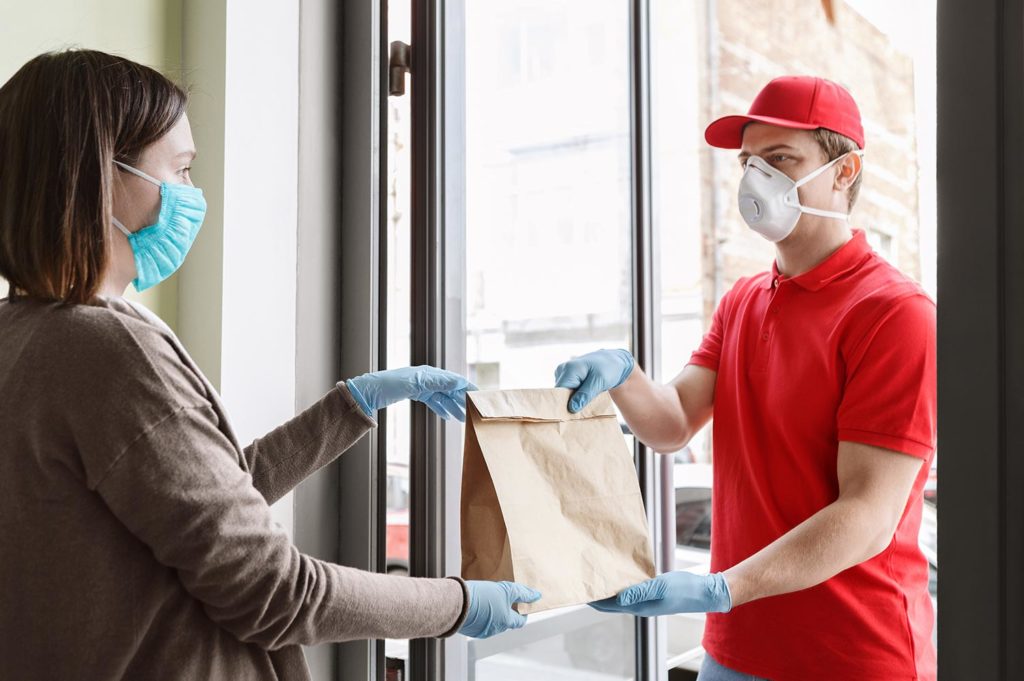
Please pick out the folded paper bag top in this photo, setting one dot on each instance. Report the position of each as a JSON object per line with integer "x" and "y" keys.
{"x": 550, "y": 499}
{"x": 539, "y": 405}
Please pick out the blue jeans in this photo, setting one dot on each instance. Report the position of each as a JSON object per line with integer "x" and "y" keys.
{"x": 712, "y": 671}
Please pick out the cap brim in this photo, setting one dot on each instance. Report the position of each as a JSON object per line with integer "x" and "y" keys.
{"x": 727, "y": 132}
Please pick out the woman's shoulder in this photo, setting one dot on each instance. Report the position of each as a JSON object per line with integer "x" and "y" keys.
{"x": 120, "y": 316}
{"x": 110, "y": 343}
{"x": 104, "y": 330}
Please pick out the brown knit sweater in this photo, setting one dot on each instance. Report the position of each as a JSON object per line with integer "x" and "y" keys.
{"x": 136, "y": 540}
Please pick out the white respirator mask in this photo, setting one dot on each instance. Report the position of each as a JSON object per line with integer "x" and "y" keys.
{"x": 769, "y": 202}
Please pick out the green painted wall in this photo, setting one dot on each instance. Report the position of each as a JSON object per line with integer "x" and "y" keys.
{"x": 147, "y": 31}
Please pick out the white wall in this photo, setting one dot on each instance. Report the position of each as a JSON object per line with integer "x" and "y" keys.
{"x": 238, "y": 289}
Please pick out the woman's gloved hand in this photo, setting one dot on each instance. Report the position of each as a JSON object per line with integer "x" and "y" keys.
{"x": 591, "y": 374}
{"x": 490, "y": 607}
{"x": 671, "y": 593}
{"x": 443, "y": 391}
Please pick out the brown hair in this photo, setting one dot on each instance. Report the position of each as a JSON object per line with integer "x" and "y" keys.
{"x": 64, "y": 118}
{"x": 835, "y": 145}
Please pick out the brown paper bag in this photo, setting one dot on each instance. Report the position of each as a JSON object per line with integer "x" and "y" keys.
{"x": 550, "y": 499}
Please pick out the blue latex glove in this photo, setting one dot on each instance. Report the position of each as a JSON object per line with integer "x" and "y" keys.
{"x": 443, "y": 391}
{"x": 591, "y": 374}
{"x": 671, "y": 593}
{"x": 490, "y": 607}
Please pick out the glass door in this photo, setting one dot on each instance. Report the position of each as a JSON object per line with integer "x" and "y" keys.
{"x": 529, "y": 242}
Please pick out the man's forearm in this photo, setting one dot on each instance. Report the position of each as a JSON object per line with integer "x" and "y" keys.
{"x": 653, "y": 412}
{"x": 841, "y": 535}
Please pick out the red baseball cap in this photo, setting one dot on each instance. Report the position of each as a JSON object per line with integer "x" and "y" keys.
{"x": 799, "y": 102}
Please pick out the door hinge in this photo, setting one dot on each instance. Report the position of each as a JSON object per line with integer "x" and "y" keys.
{"x": 399, "y": 64}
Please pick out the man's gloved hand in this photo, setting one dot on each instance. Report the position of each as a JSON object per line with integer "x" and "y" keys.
{"x": 671, "y": 593}
{"x": 490, "y": 607}
{"x": 443, "y": 391}
{"x": 591, "y": 374}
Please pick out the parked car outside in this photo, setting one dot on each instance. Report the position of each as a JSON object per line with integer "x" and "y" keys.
{"x": 397, "y": 534}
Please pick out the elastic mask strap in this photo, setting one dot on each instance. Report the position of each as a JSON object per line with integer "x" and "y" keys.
{"x": 825, "y": 213}
{"x": 117, "y": 223}
{"x": 807, "y": 178}
{"x": 814, "y": 173}
{"x": 144, "y": 176}
{"x": 819, "y": 171}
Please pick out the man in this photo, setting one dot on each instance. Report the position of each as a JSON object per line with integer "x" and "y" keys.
{"x": 821, "y": 378}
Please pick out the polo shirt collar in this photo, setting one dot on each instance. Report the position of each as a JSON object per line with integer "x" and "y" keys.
{"x": 849, "y": 257}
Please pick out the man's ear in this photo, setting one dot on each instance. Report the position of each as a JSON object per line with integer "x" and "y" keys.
{"x": 849, "y": 169}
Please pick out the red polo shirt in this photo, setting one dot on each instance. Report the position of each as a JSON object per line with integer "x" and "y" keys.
{"x": 845, "y": 351}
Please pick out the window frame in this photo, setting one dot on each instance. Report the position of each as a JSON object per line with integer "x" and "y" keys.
{"x": 361, "y": 257}
{"x": 980, "y": 338}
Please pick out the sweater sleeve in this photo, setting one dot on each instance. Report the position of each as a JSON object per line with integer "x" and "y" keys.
{"x": 179, "y": 489}
{"x": 293, "y": 451}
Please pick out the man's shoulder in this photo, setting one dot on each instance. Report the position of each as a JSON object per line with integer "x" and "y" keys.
{"x": 881, "y": 286}
{"x": 882, "y": 294}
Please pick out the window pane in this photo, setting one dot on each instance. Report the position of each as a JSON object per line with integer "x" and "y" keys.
{"x": 678, "y": 210}
{"x": 548, "y": 255}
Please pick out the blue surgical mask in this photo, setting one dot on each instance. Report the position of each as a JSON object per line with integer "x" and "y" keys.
{"x": 160, "y": 248}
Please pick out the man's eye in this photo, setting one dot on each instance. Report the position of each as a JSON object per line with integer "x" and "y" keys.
{"x": 779, "y": 158}
{"x": 185, "y": 171}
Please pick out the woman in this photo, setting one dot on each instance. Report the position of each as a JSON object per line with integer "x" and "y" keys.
{"x": 137, "y": 540}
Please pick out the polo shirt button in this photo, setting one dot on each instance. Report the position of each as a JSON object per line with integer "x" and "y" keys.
{"x": 764, "y": 336}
